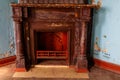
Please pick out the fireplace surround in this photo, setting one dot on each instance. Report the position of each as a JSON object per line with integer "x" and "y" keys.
{"x": 39, "y": 29}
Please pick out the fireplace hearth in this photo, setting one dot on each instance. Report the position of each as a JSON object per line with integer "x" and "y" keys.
{"x": 53, "y": 30}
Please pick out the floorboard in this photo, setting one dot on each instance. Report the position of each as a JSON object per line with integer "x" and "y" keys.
{"x": 96, "y": 73}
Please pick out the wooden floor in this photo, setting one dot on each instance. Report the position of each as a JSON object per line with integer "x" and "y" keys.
{"x": 96, "y": 73}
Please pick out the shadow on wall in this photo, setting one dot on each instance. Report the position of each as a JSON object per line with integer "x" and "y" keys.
{"x": 99, "y": 17}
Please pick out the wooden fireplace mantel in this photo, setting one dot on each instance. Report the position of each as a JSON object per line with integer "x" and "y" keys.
{"x": 29, "y": 18}
{"x": 56, "y": 5}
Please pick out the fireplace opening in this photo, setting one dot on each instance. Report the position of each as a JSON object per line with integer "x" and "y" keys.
{"x": 52, "y": 48}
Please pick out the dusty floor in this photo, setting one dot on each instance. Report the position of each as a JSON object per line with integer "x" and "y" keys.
{"x": 51, "y": 72}
{"x": 6, "y": 72}
{"x": 96, "y": 73}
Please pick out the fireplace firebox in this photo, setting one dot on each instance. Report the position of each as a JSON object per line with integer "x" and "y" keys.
{"x": 52, "y": 46}
{"x": 53, "y": 30}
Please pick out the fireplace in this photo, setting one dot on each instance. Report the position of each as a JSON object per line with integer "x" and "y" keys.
{"x": 53, "y": 30}
{"x": 52, "y": 46}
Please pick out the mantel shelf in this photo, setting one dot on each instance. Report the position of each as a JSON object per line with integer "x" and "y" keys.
{"x": 55, "y": 5}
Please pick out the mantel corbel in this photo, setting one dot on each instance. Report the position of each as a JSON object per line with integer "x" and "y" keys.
{"x": 17, "y": 14}
{"x": 17, "y": 19}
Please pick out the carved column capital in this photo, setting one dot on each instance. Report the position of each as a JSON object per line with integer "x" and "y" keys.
{"x": 17, "y": 14}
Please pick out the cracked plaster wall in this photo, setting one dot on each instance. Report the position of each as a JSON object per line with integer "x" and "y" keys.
{"x": 7, "y": 47}
{"x": 106, "y": 31}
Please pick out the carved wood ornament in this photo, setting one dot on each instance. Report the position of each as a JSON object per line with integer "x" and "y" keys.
{"x": 73, "y": 16}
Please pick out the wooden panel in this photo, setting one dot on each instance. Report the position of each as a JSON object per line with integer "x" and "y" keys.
{"x": 53, "y": 14}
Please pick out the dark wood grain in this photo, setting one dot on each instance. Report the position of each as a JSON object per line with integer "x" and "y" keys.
{"x": 54, "y": 1}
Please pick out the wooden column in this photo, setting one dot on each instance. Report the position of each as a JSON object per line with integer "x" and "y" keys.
{"x": 82, "y": 59}
{"x": 76, "y": 42}
{"x": 79, "y": 58}
{"x": 20, "y": 58}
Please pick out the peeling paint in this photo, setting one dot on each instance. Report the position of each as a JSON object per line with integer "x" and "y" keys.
{"x": 96, "y": 45}
{"x": 98, "y": 50}
{"x": 7, "y": 44}
{"x": 105, "y": 50}
{"x": 105, "y": 36}
{"x": 10, "y": 51}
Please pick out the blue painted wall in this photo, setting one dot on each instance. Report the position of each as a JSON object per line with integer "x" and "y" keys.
{"x": 6, "y": 29}
{"x": 107, "y": 32}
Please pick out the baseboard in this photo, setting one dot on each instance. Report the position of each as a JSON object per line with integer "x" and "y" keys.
{"x": 7, "y": 60}
{"x": 107, "y": 65}
{"x": 81, "y": 70}
{"x": 20, "y": 70}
